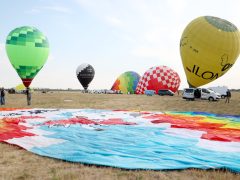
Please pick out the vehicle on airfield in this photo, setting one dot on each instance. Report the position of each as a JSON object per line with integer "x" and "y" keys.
{"x": 222, "y": 90}
{"x": 200, "y": 93}
{"x": 149, "y": 92}
{"x": 163, "y": 92}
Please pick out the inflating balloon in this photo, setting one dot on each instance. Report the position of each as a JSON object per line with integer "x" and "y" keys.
{"x": 126, "y": 82}
{"x": 85, "y": 74}
{"x": 158, "y": 77}
{"x": 209, "y": 47}
{"x": 27, "y": 49}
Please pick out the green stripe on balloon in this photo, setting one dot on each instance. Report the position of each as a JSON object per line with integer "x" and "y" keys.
{"x": 130, "y": 82}
{"x": 22, "y": 36}
{"x": 27, "y": 71}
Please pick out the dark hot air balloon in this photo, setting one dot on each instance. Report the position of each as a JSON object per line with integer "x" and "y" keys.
{"x": 85, "y": 74}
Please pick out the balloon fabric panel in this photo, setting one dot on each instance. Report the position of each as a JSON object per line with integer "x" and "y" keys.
{"x": 126, "y": 139}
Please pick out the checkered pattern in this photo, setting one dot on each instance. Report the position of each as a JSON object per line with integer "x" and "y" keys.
{"x": 27, "y": 36}
{"x": 158, "y": 77}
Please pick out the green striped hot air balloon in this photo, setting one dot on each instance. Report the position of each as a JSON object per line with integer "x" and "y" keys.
{"x": 27, "y": 49}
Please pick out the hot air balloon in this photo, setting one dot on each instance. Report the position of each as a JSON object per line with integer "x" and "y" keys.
{"x": 209, "y": 47}
{"x": 27, "y": 49}
{"x": 126, "y": 82}
{"x": 158, "y": 77}
{"x": 85, "y": 74}
{"x": 20, "y": 88}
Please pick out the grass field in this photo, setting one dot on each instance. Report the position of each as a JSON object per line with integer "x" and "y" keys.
{"x": 16, "y": 163}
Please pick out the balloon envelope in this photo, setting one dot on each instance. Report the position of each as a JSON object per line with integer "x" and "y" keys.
{"x": 209, "y": 47}
{"x": 126, "y": 82}
{"x": 21, "y": 87}
{"x": 85, "y": 74}
{"x": 158, "y": 77}
{"x": 27, "y": 49}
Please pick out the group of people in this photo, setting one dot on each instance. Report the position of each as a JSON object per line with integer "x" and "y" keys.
{"x": 27, "y": 92}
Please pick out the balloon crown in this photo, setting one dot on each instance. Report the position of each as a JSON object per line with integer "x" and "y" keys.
{"x": 221, "y": 24}
{"x": 27, "y": 36}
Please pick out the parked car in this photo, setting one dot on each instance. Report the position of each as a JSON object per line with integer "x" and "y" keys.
{"x": 218, "y": 94}
{"x": 167, "y": 92}
{"x": 209, "y": 95}
{"x": 149, "y": 92}
{"x": 11, "y": 91}
{"x": 200, "y": 93}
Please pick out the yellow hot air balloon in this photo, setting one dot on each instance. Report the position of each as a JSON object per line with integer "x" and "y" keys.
{"x": 209, "y": 47}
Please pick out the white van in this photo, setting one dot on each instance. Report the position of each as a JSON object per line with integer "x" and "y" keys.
{"x": 188, "y": 94}
{"x": 222, "y": 90}
{"x": 200, "y": 93}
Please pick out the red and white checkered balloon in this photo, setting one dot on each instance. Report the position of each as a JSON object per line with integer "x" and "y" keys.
{"x": 158, "y": 77}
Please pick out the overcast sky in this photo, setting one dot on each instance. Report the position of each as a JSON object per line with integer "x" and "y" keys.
{"x": 112, "y": 36}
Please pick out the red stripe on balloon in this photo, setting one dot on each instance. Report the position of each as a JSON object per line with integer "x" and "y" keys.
{"x": 27, "y": 82}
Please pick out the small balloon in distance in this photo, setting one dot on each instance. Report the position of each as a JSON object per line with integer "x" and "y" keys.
{"x": 85, "y": 74}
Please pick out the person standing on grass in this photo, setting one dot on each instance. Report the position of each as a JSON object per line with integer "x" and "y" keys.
{"x": 228, "y": 96}
{"x": 29, "y": 97}
{"x": 2, "y": 97}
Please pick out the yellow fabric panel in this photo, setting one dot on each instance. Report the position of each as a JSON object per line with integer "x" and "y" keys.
{"x": 20, "y": 87}
{"x": 122, "y": 85}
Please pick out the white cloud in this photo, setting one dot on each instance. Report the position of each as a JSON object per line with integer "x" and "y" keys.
{"x": 147, "y": 52}
{"x": 51, "y": 57}
{"x": 1, "y": 46}
{"x": 177, "y": 7}
{"x": 86, "y": 3}
{"x": 3, "y": 56}
{"x": 8, "y": 75}
{"x": 33, "y": 11}
{"x": 114, "y": 21}
{"x": 58, "y": 9}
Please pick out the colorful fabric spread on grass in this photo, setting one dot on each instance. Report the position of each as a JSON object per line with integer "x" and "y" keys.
{"x": 126, "y": 139}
